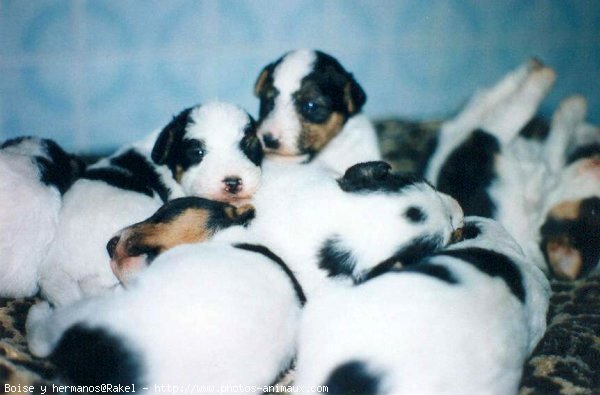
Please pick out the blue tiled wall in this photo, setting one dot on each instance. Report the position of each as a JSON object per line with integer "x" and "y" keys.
{"x": 94, "y": 74}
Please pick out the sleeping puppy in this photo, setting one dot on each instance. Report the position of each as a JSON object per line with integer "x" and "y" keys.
{"x": 210, "y": 151}
{"x": 180, "y": 221}
{"x": 310, "y": 111}
{"x": 325, "y": 228}
{"x": 204, "y": 314}
{"x": 460, "y": 321}
{"x": 34, "y": 175}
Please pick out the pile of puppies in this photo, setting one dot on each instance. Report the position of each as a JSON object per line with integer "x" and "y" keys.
{"x": 219, "y": 250}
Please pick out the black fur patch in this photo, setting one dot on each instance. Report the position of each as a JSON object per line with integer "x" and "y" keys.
{"x": 536, "y": 129}
{"x": 436, "y": 271}
{"x": 132, "y": 172}
{"x": 585, "y": 151}
{"x": 582, "y": 233}
{"x": 470, "y": 231}
{"x": 469, "y": 171}
{"x": 259, "y": 249}
{"x": 170, "y": 148}
{"x": 250, "y": 144}
{"x": 60, "y": 171}
{"x": 352, "y": 378}
{"x": 336, "y": 260}
{"x": 492, "y": 264}
{"x": 375, "y": 177}
{"x": 87, "y": 356}
{"x": 415, "y": 214}
{"x": 409, "y": 255}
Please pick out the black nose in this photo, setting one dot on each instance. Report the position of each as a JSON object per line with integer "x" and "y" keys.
{"x": 270, "y": 141}
{"x": 111, "y": 246}
{"x": 233, "y": 184}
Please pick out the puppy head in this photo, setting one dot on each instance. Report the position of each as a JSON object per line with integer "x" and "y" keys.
{"x": 179, "y": 221}
{"x": 57, "y": 167}
{"x": 388, "y": 215}
{"x": 212, "y": 151}
{"x": 305, "y": 99}
{"x": 570, "y": 233}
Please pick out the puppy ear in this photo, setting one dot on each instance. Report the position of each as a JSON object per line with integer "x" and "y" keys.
{"x": 262, "y": 79}
{"x": 167, "y": 138}
{"x": 240, "y": 215}
{"x": 362, "y": 175}
{"x": 354, "y": 95}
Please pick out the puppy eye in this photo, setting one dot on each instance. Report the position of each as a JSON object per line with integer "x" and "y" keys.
{"x": 195, "y": 154}
{"x": 310, "y": 107}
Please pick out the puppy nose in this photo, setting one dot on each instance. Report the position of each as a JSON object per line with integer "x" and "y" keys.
{"x": 270, "y": 141}
{"x": 111, "y": 246}
{"x": 233, "y": 184}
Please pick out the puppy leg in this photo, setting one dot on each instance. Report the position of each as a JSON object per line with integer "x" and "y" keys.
{"x": 566, "y": 120}
{"x": 508, "y": 118}
{"x": 485, "y": 101}
{"x": 37, "y": 329}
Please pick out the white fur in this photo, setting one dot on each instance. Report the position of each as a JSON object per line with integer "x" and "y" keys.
{"x": 299, "y": 207}
{"x": 206, "y": 314}
{"x": 420, "y": 335}
{"x": 356, "y": 142}
{"x": 28, "y": 216}
{"x": 78, "y": 264}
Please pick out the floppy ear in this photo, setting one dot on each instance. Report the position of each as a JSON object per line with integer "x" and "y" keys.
{"x": 354, "y": 95}
{"x": 262, "y": 79}
{"x": 240, "y": 215}
{"x": 170, "y": 134}
{"x": 362, "y": 175}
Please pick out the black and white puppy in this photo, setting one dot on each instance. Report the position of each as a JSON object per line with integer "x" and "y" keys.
{"x": 460, "y": 321}
{"x": 310, "y": 109}
{"x": 208, "y": 314}
{"x": 492, "y": 171}
{"x": 34, "y": 175}
{"x": 209, "y": 150}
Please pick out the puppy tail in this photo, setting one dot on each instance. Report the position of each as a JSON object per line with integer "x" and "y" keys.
{"x": 38, "y": 329}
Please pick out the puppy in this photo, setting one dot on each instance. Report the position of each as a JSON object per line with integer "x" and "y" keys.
{"x": 310, "y": 111}
{"x": 327, "y": 229}
{"x": 34, "y": 175}
{"x": 210, "y": 151}
{"x": 460, "y": 321}
{"x": 492, "y": 171}
{"x": 204, "y": 314}
{"x": 180, "y": 221}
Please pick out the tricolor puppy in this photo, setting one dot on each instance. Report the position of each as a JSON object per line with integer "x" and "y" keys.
{"x": 34, "y": 175}
{"x": 180, "y": 221}
{"x": 310, "y": 110}
{"x": 482, "y": 161}
{"x": 209, "y": 314}
{"x": 210, "y": 151}
{"x": 460, "y": 321}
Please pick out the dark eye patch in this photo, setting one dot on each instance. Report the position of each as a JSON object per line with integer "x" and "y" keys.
{"x": 267, "y": 102}
{"x": 192, "y": 153}
{"x": 415, "y": 214}
{"x": 250, "y": 144}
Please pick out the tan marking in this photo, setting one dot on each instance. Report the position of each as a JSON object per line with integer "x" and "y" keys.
{"x": 566, "y": 210}
{"x": 241, "y": 210}
{"x": 316, "y": 136}
{"x": 348, "y": 98}
{"x": 565, "y": 260}
{"x": 188, "y": 227}
{"x": 260, "y": 82}
{"x": 456, "y": 236}
{"x": 178, "y": 173}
